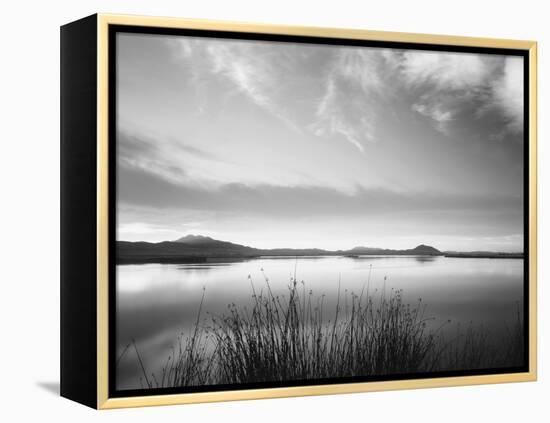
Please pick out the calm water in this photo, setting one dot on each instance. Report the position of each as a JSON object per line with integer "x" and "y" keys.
{"x": 156, "y": 302}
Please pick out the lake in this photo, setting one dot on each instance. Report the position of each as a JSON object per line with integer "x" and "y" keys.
{"x": 157, "y": 302}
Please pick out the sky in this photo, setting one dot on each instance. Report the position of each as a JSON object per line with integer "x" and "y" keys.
{"x": 273, "y": 144}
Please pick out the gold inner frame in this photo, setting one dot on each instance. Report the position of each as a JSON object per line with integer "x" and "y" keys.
{"x": 103, "y": 400}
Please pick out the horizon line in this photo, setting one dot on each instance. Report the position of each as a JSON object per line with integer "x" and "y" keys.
{"x": 325, "y": 249}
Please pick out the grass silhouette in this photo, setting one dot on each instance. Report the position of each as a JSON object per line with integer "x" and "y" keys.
{"x": 286, "y": 337}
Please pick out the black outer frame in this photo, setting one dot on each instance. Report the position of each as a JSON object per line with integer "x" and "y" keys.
{"x": 78, "y": 209}
{"x": 79, "y": 118}
{"x": 112, "y": 55}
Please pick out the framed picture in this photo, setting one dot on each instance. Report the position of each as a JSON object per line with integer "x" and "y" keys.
{"x": 254, "y": 211}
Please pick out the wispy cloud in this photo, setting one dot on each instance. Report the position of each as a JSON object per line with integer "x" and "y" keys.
{"x": 451, "y": 84}
{"x": 446, "y": 83}
{"x": 508, "y": 93}
{"x": 170, "y": 159}
{"x": 348, "y": 88}
{"x": 261, "y": 72}
{"x": 446, "y": 71}
{"x": 251, "y": 72}
{"x": 443, "y": 87}
{"x": 148, "y": 154}
{"x": 353, "y": 96}
{"x": 336, "y": 117}
{"x": 435, "y": 111}
{"x": 269, "y": 76}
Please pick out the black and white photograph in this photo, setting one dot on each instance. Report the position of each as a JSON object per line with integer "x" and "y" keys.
{"x": 275, "y": 212}
{"x": 300, "y": 212}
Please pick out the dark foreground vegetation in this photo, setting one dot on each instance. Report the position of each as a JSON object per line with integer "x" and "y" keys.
{"x": 281, "y": 338}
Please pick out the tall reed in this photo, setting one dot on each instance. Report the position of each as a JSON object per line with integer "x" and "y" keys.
{"x": 294, "y": 337}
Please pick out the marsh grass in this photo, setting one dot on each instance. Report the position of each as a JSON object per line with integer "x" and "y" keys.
{"x": 294, "y": 337}
{"x": 287, "y": 337}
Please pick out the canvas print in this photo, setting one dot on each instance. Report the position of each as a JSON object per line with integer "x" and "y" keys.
{"x": 305, "y": 212}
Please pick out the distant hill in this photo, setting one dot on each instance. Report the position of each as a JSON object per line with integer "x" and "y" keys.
{"x": 422, "y": 249}
{"x": 198, "y": 248}
{"x": 426, "y": 250}
{"x": 199, "y": 242}
{"x": 196, "y": 239}
{"x": 187, "y": 249}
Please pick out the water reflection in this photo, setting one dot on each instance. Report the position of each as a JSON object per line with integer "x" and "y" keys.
{"x": 425, "y": 259}
{"x": 157, "y": 302}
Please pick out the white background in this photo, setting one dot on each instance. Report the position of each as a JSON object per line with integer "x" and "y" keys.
{"x": 29, "y": 300}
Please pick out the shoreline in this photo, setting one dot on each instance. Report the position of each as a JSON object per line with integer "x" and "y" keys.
{"x": 485, "y": 255}
{"x": 230, "y": 259}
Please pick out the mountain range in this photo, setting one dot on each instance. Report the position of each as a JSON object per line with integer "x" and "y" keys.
{"x": 197, "y": 248}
